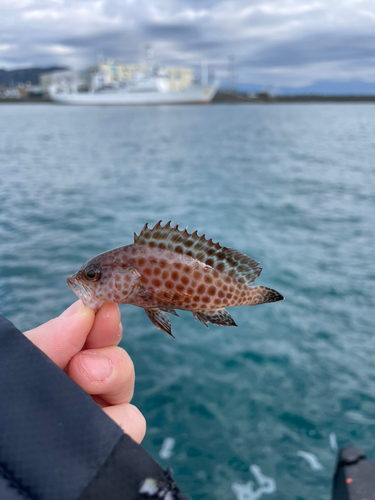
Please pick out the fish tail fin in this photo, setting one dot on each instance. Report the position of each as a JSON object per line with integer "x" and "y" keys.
{"x": 261, "y": 295}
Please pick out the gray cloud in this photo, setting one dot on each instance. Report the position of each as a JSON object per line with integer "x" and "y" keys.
{"x": 168, "y": 31}
{"x": 320, "y": 47}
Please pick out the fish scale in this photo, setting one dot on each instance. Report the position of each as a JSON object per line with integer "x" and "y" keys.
{"x": 167, "y": 269}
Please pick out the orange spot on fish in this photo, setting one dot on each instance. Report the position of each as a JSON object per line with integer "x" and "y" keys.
{"x": 197, "y": 275}
{"x": 185, "y": 280}
{"x": 201, "y": 289}
{"x": 175, "y": 275}
{"x": 157, "y": 271}
{"x": 211, "y": 290}
{"x": 156, "y": 282}
{"x": 207, "y": 279}
{"x": 165, "y": 275}
{"x": 141, "y": 261}
{"x": 169, "y": 284}
{"x": 177, "y": 265}
{"x": 147, "y": 271}
{"x": 144, "y": 279}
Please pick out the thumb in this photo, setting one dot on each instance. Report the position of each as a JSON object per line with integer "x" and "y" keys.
{"x": 63, "y": 337}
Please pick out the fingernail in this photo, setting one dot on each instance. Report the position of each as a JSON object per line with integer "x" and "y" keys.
{"x": 71, "y": 309}
{"x": 119, "y": 333}
{"x": 94, "y": 366}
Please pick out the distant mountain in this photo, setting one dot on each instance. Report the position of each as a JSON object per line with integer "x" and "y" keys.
{"x": 14, "y": 77}
{"x": 323, "y": 87}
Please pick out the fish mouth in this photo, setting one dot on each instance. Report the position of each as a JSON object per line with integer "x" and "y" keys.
{"x": 80, "y": 289}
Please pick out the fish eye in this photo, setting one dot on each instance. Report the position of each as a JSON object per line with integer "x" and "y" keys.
{"x": 93, "y": 274}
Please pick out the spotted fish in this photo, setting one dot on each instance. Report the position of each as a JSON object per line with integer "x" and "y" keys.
{"x": 167, "y": 269}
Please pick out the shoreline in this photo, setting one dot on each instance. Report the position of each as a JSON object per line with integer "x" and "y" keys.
{"x": 229, "y": 97}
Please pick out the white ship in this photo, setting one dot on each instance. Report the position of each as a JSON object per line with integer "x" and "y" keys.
{"x": 143, "y": 88}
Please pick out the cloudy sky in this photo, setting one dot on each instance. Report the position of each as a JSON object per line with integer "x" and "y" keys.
{"x": 274, "y": 42}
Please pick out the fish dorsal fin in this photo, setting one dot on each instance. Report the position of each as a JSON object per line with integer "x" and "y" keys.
{"x": 227, "y": 260}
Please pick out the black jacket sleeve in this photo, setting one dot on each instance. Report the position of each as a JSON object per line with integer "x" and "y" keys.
{"x": 56, "y": 443}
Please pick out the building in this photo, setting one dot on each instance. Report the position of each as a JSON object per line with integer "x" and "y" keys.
{"x": 67, "y": 81}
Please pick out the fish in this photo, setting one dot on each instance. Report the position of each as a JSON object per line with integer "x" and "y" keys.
{"x": 167, "y": 269}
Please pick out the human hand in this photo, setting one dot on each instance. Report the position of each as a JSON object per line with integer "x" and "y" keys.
{"x": 85, "y": 346}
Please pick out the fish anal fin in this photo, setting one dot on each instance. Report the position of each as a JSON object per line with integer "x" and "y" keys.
{"x": 201, "y": 317}
{"x": 219, "y": 317}
{"x": 160, "y": 320}
{"x": 226, "y": 260}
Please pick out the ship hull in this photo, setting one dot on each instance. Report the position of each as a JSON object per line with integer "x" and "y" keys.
{"x": 196, "y": 94}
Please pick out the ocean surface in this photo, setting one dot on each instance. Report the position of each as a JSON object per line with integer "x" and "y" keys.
{"x": 293, "y": 186}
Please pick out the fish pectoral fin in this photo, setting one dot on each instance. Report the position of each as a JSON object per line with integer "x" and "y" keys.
{"x": 160, "y": 320}
{"x": 126, "y": 281}
{"x": 219, "y": 317}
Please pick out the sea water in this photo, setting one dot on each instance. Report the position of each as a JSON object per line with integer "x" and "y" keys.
{"x": 247, "y": 412}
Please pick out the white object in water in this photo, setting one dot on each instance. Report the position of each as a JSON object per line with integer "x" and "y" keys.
{"x": 167, "y": 448}
{"x": 311, "y": 459}
{"x": 247, "y": 492}
{"x": 333, "y": 441}
{"x": 267, "y": 484}
{"x": 356, "y": 416}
